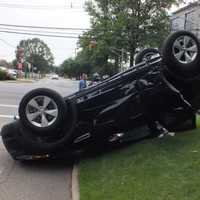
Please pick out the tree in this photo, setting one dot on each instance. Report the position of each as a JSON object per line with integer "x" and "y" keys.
{"x": 121, "y": 26}
{"x": 4, "y": 63}
{"x": 36, "y": 52}
{"x": 14, "y": 63}
{"x": 97, "y": 56}
{"x": 75, "y": 67}
{"x": 70, "y": 68}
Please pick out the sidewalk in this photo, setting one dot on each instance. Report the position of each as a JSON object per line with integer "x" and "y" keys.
{"x": 20, "y": 81}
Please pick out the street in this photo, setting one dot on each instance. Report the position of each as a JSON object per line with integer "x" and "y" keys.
{"x": 32, "y": 181}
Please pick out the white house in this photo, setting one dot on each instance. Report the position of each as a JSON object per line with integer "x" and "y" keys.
{"x": 187, "y": 18}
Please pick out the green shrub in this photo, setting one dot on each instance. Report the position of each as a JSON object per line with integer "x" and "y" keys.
{"x": 3, "y": 75}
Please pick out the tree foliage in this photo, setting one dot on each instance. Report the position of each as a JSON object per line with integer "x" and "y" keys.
{"x": 75, "y": 67}
{"x": 121, "y": 26}
{"x": 118, "y": 29}
{"x": 37, "y": 53}
{"x": 6, "y": 64}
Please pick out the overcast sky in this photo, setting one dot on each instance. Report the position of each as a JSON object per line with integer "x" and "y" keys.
{"x": 57, "y": 14}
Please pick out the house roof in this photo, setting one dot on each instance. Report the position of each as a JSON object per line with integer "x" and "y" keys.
{"x": 191, "y": 5}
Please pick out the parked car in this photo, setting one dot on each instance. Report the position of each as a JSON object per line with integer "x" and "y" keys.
{"x": 55, "y": 77}
{"x": 12, "y": 73}
{"x": 168, "y": 86}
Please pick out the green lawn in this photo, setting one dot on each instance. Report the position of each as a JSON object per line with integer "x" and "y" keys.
{"x": 157, "y": 169}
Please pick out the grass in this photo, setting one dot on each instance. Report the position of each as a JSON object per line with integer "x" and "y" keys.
{"x": 157, "y": 169}
{"x": 198, "y": 121}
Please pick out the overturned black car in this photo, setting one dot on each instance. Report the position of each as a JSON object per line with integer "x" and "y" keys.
{"x": 160, "y": 89}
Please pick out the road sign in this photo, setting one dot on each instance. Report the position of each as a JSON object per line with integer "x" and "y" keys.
{"x": 19, "y": 66}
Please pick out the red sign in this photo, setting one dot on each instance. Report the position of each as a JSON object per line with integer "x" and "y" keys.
{"x": 19, "y": 66}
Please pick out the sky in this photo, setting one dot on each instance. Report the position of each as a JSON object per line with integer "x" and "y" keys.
{"x": 45, "y": 13}
{"x": 55, "y": 15}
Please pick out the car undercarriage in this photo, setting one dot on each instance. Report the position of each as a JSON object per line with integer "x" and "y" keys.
{"x": 160, "y": 89}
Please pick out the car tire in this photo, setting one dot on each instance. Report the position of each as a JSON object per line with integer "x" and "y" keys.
{"x": 145, "y": 55}
{"x": 53, "y": 140}
{"x": 181, "y": 55}
{"x": 11, "y": 140}
{"x": 42, "y": 110}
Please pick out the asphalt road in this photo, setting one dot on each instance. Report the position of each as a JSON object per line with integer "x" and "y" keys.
{"x": 37, "y": 180}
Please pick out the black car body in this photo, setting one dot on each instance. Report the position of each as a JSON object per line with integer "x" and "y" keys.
{"x": 160, "y": 86}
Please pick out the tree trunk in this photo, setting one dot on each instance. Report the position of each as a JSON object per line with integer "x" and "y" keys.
{"x": 132, "y": 53}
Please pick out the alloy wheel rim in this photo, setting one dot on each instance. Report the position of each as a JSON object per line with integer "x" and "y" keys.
{"x": 185, "y": 49}
{"x": 42, "y": 111}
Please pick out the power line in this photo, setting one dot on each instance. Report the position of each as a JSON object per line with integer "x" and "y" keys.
{"x": 45, "y": 27}
{"x": 54, "y": 28}
{"x": 39, "y": 31}
{"x": 42, "y": 7}
{"x": 36, "y": 34}
{"x": 20, "y": 32}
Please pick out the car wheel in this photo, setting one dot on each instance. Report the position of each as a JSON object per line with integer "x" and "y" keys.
{"x": 52, "y": 140}
{"x": 181, "y": 55}
{"x": 42, "y": 110}
{"x": 145, "y": 55}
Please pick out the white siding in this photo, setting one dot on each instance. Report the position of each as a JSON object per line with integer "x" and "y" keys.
{"x": 187, "y": 19}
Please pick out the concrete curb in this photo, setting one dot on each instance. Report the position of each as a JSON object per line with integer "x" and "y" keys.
{"x": 20, "y": 81}
{"x": 75, "y": 183}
